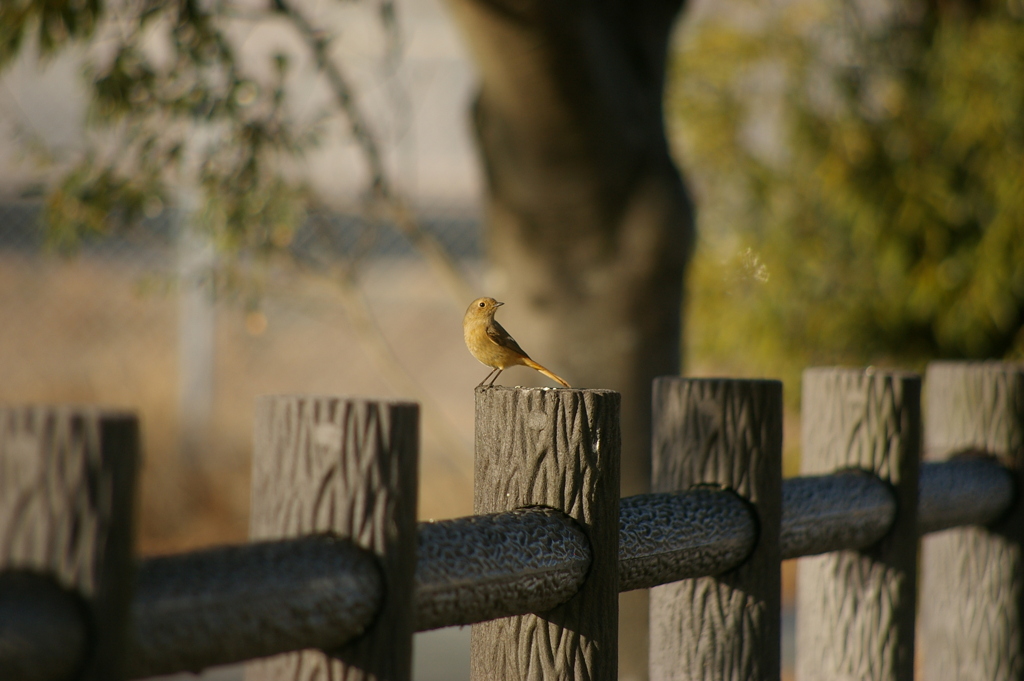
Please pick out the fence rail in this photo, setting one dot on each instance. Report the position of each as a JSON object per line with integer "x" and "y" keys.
{"x": 334, "y": 485}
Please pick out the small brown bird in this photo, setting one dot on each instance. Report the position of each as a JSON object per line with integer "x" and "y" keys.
{"x": 491, "y": 344}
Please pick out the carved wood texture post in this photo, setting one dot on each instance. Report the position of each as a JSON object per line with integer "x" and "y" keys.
{"x": 972, "y": 610}
{"x": 67, "y": 478}
{"x": 724, "y": 433}
{"x": 345, "y": 467}
{"x": 855, "y": 609}
{"x": 560, "y": 449}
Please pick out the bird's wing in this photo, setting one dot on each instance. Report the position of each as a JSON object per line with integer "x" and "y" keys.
{"x": 500, "y": 336}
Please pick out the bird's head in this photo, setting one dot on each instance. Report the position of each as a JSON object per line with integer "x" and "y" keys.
{"x": 483, "y": 307}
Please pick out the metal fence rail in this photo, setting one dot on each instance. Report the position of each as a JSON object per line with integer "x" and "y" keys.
{"x": 319, "y": 589}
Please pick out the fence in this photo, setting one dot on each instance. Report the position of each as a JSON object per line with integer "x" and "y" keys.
{"x": 339, "y": 564}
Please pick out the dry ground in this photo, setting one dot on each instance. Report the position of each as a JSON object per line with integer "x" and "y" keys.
{"x": 93, "y": 331}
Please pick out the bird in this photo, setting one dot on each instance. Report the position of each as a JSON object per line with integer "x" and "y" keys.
{"x": 492, "y": 345}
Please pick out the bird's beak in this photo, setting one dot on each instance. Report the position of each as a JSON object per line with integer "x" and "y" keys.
{"x": 497, "y": 304}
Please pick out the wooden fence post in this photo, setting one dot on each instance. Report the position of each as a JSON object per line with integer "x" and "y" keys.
{"x": 346, "y": 467}
{"x": 855, "y": 609}
{"x": 725, "y": 433}
{"x": 560, "y": 449}
{"x": 67, "y": 483}
{"x": 972, "y": 614}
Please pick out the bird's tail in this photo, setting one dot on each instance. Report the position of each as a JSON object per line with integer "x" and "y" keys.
{"x": 557, "y": 379}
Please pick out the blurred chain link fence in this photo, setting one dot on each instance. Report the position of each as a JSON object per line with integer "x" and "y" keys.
{"x": 112, "y": 324}
{"x": 151, "y": 244}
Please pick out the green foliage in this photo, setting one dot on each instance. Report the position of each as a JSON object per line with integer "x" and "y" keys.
{"x": 861, "y": 185}
{"x": 92, "y": 199}
{"x": 173, "y": 114}
{"x": 55, "y": 23}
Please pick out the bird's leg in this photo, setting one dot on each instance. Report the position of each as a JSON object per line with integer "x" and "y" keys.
{"x": 486, "y": 377}
{"x": 495, "y": 377}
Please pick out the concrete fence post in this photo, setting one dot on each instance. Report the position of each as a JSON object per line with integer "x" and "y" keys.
{"x": 559, "y": 449}
{"x": 728, "y": 434}
{"x": 67, "y": 482}
{"x": 855, "y": 609}
{"x": 972, "y": 610}
{"x": 345, "y": 467}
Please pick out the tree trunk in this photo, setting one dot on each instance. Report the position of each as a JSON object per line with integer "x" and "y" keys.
{"x": 590, "y": 227}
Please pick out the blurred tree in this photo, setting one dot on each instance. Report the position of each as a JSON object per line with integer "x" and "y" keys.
{"x": 170, "y": 105}
{"x": 174, "y": 107}
{"x": 861, "y": 172}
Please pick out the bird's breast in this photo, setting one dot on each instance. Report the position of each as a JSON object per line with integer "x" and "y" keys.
{"x": 485, "y": 350}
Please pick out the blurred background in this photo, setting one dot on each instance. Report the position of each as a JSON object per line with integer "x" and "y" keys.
{"x": 202, "y": 202}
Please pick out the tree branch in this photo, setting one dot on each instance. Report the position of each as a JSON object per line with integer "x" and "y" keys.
{"x": 381, "y": 191}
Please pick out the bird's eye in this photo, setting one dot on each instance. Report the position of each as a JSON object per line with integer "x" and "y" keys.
{"x": 482, "y": 303}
